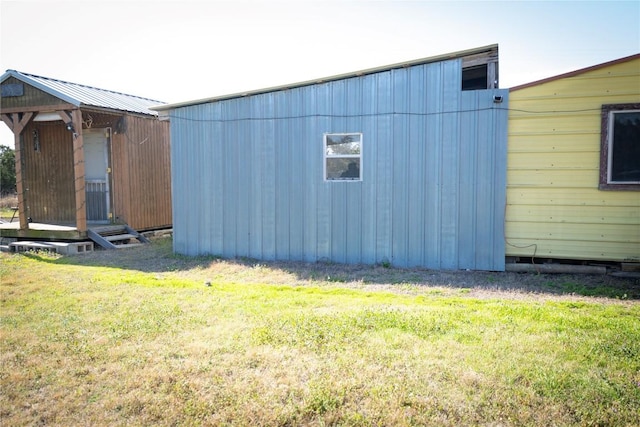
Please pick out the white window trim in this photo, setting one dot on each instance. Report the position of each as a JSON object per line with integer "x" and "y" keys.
{"x": 325, "y": 156}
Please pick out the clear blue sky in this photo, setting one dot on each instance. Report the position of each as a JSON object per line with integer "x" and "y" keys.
{"x": 179, "y": 51}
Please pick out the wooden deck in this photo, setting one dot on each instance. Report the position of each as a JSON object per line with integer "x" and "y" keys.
{"x": 41, "y": 231}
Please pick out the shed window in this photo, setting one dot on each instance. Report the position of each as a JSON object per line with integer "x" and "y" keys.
{"x": 343, "y": 157}
{"x": 620, "y": 147}
{"x": 474, "y": 78}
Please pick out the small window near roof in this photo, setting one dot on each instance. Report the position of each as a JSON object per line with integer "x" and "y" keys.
{"x": 343, "y": 157}
{"x": 620, "y": 147}
{"x": 474, "y": 78}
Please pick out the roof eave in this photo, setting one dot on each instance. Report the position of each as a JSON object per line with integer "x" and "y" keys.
{"x": 25, "y": 79}
{"x": 115, "y": 111}
{"x": 406, "y": 64}
{"x": 575, "y": 72}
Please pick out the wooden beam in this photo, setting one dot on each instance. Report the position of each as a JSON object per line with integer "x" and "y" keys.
{"x": 38, "y": 109}
{"x": 64, "y": 116}
{"x": 18, "y": 125}
{"x": 555, "y": 268}
{"x": 78, "y": 172}
{"x": 8, "y": 121}
{"x": 492, "y": 75}
{"x": 36, "y": 232}
{"x": 630, "y": 267}
{"x": 22, "y": 211}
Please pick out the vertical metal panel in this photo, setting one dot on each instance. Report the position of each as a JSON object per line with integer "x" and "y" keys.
{"x": 180, "y": 178}
{"x": 244, "y": 172}
{"x": 338, "y": 192}
{"x": 354, "y": 217}
{"x": 312, "y": 172}
{"x": 488, "y": 142}
{"x": 282, "y": 164}
{"x": 178, "y": 181}
{"x": 431, "y": 162}
{"x": 381, "y": 173}
{"x": 296, "y": 178}
{"x": 399, "y": 160}
{"x": 368, "y": 170}
{"x": 468, "y": 196}
{"x": 229, "y": 150}
{"x": 269, "y": 179}
{"x": 324, "y": 194}
{"x": 416, "y": 166}
{"x": 449, "y": 167}
{"x": 433, "y": 136}
{"x": 253, "y": 162}
{"x": 496, "y": 260}
{"x": 213, "y": 157}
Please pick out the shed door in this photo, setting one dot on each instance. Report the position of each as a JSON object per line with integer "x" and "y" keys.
{"x": 96, "y": 166}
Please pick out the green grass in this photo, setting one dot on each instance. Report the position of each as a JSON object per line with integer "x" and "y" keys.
{"x": 6, "y": 202}
{"x": 143, "y": 341}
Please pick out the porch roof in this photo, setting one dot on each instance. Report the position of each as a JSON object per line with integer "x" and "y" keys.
{"x": 82, "y": 95}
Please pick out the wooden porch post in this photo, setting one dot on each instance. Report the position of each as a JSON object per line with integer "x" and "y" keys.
{"x": 17, "y": 125}
{"x": 78, "y": 171}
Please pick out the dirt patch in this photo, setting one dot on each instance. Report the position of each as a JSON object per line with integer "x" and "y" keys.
{"x": 159, "y": 258}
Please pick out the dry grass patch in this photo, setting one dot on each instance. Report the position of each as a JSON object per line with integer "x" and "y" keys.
{"x": 6, "y": 203}
{"x": 135, "y": 337}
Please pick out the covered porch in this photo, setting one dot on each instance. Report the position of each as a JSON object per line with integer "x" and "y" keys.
{"x": 41, "y": 231}
{"x": 86, "y": 159}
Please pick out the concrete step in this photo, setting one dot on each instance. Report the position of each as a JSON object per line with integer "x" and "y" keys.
{"x": 110, "y": 229}
{"x": 117, "y": 237}
{"x": 106, "y": 235}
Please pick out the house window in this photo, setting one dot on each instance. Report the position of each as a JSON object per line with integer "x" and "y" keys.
{"x": 620, "y": 147}
{"x": 343, "y": 157}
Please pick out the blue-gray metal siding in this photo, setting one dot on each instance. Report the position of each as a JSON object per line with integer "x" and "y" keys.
{"x": 247, "y": 173}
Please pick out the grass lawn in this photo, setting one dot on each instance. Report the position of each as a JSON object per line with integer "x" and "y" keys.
{"x": 143, "y": 337}
{"x": 6, "y": 202}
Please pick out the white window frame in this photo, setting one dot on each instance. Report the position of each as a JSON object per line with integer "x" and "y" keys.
{"x": 326, "y": 156}
{"x": 607, "y": 146}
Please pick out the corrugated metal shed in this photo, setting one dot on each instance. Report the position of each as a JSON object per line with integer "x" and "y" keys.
{"x": 84, "y": 96}
{"x": 247, "y": 172}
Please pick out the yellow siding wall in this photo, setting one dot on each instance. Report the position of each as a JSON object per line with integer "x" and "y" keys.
{"x": 554, "y": 206}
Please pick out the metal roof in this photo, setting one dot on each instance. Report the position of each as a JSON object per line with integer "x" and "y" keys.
{"x": 82, "y": 95}
{"x": 493, "y": 48}
{"x": 577, "y": 72}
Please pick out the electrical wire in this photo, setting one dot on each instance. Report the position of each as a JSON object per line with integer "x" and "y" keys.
{"x": 410, "y": 114}
{"x": 532, "y": 245}
{"x": 393, "y": 113}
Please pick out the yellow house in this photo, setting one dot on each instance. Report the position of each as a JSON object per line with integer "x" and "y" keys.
{"x": 573, "y": 165}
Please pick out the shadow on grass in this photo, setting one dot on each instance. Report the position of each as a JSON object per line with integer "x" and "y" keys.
{"x": 158, "y": 257}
